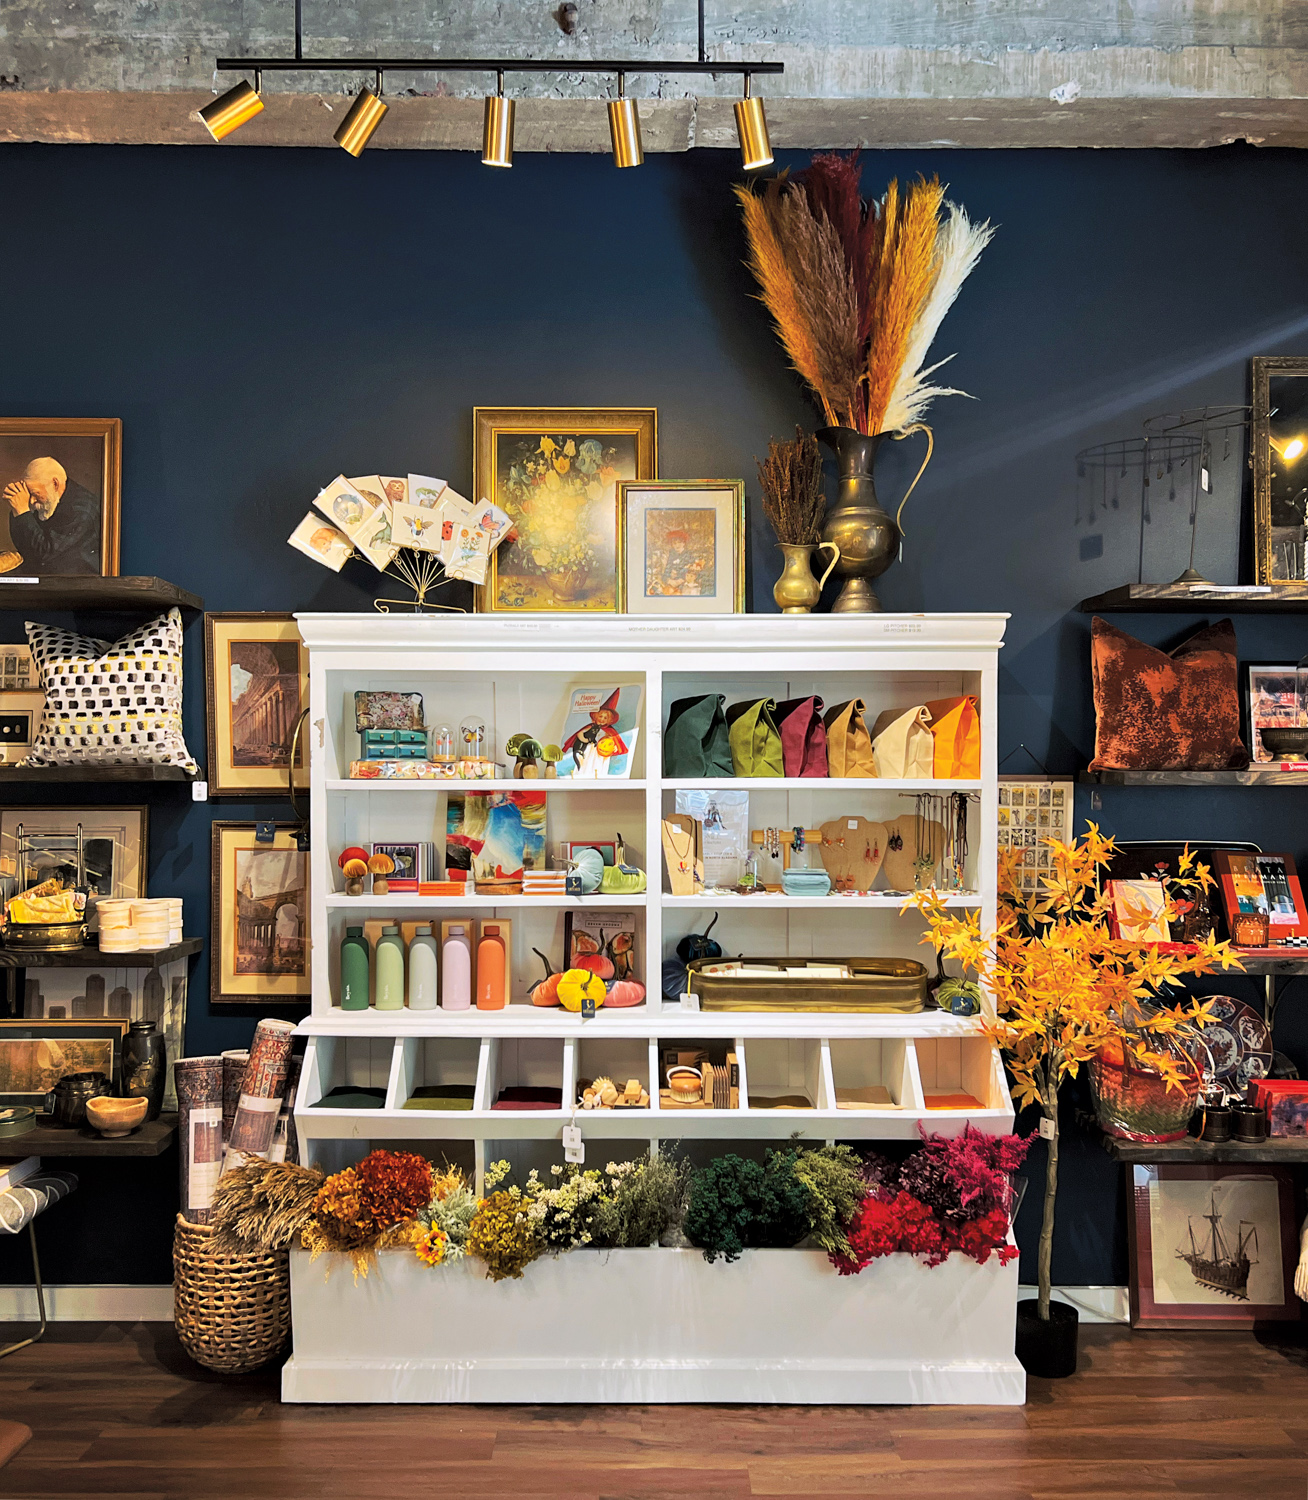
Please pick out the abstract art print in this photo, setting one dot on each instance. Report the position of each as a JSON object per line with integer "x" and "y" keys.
{"x": 556, "y": 472}
{"x": 260, "y": 918}
{"x": 60, "y": 484}
{"x": 681, "y": 548}
{"x": 494, "y": 835}
{"x": 257, "y": 686}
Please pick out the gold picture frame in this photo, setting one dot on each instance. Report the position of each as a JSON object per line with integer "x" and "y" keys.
{"x": 676, "y": 536}
{"x": 1280, "y": 539}
{"x": 250, "y": 743}
{"x": 555, "y": 563}
{"x": 34, "y": 1055}
{"x": 88, "y": 453}
{"x": 259, "y": 922}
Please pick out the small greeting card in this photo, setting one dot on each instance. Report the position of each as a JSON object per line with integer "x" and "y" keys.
{"x": 494, "y": 521}
{"x": 413, "y": 526}
{"x": 395, "y": 487}
{"x": 426, "y": 491}
{"x": 471, "y": 553}
{"x": 323, "y": 543}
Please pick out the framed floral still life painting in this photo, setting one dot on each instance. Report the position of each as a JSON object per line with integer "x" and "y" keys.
{"x": 681, "y": 547}
{"x": 257, "y": 686}
{"x": 60, "y": 482}
{"x": 259, "y": 931}
{"x": 556, "y": 471}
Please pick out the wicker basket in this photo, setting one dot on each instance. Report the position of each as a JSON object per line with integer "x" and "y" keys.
{"x": 232, "y": 1312}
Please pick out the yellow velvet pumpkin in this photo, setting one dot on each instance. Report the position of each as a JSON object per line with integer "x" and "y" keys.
{"x": 578, "y": 985}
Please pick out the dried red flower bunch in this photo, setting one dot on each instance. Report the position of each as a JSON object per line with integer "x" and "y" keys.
{"x": 964, "y": 1178}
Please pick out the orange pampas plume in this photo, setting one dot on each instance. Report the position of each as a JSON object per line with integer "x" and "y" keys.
{"x": 780, "y": 294}
{"x": 903, "y": 277}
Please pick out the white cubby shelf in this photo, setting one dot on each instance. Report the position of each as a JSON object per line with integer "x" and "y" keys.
{"x": 866, "y": 1077}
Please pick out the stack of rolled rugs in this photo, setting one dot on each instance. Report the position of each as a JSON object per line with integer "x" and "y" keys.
{"x": 234, "y": 1106}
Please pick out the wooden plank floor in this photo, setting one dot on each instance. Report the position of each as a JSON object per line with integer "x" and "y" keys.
{"x": 121, "y": 1411}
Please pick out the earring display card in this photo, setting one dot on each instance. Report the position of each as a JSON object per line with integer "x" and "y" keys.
{"x": 1033, "y": 810}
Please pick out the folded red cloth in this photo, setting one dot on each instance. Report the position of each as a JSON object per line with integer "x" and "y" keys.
{"x": 529, "y": 1096}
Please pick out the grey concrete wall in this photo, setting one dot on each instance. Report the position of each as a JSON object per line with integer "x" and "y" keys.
{"x": 1170, "y": 72}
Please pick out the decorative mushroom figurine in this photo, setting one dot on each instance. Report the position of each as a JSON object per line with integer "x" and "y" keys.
{"x": 379, "y": 867}
{"x": 354, "y": 866}
{"x": 551, "y": 755}
{"x": 527, "y": 753}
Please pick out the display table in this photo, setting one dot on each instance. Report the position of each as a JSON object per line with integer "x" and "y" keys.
{"x": 776, "y": 1326}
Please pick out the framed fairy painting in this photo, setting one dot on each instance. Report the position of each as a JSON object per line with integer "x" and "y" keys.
{"x": 556, "y": 471}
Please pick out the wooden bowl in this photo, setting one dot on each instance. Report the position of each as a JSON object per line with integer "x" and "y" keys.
{"x": 116, "y": 1117}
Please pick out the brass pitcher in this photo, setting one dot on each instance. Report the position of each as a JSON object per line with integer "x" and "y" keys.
{"x": 797, "y": 591}
{"x": 865, "y": 534}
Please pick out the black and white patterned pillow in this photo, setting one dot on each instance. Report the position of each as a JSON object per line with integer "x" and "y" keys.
{"x": 111, "y": 704}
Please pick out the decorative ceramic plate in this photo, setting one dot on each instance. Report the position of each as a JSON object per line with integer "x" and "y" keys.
{"x": 1239, "y": 1041}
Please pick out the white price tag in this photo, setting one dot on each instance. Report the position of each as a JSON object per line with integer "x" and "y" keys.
{"x": 199, "y": 791}
{"x": 1046, "y": 1129}
{"x": 573, "y": 1150}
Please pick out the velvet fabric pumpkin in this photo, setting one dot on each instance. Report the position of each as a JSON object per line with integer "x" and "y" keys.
{"x": 1166, "y": 711}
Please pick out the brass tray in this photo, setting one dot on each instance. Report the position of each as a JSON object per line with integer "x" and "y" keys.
{"x": 44, "y": 937}
{"x": 891, "y": 986}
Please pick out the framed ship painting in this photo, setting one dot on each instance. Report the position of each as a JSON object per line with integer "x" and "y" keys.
{"x": 556, "y": 471}
{"x": 1212, "y": 1247}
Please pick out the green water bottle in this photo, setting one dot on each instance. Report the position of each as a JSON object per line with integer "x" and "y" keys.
{"x": 390, "y": 969}
{"x": 355, "y": 963}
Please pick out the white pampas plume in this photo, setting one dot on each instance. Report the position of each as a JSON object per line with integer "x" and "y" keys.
{"x": 958, "y": 248}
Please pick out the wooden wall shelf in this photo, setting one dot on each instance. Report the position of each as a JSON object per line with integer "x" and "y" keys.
{"x": 92, "y": 958}
{"x": 35, "y": 775}
{"x": 151, "y": 1139}
{"x": 1289, "y": 1152}
{"x": 1171, "y": 598}
{"x": 74, "y": 591}
{"x": 1254, "y": 776}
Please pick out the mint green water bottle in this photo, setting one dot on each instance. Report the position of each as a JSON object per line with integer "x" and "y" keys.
{"x": 355, "y": 964}
{"x": 390, "y": 969}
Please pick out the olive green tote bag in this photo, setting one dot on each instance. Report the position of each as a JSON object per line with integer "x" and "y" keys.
{"x": 755, "y": 738}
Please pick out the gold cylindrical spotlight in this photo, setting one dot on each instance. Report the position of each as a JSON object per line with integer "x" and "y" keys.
{"x": 752, "y": 128}
{"x": 624, "y": 127}
{"x": 497, "y": 134}
{"x": 231, "y": 110}
{"x": 366, "y": 113}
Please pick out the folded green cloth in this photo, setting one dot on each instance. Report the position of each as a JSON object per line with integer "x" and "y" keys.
{"x": 352, "y": 1096}
{"x": 441, "y": 1096}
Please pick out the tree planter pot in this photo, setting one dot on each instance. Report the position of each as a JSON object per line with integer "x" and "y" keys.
{"x": 656, "y": 1325}
{"x": 1047, "y": 1349}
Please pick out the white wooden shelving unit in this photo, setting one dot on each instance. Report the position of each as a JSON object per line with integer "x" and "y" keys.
{"x": 515, "y": 674}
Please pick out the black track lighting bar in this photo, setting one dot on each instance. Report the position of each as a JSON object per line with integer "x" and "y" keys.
{"x": 481, "y": 65}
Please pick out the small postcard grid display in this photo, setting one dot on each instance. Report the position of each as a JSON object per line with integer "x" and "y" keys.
{"x": 1032, "y": 810}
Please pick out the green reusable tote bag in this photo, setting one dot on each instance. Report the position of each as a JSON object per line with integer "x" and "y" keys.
{"x": 695, "y": 741}
{"x": 755, "y": 738}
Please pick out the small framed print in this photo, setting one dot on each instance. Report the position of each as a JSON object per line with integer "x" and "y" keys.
{"x": 60, "y": 483}
{"x": 1033, "y": 810}
{"x": 1263, "y": 882}
{"x": 37, "y": 843}
{"x": 257, "y": 686}
{"x": 1271, "y": 702}
{"x": 1212, "y": 1246}
{"x": 259, "y": 933}
{"x": 35, "y": 1055}
{"x": 681, "y": 547}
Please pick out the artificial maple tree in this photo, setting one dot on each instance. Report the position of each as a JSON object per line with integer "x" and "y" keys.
{"x": 1058, "y": 985}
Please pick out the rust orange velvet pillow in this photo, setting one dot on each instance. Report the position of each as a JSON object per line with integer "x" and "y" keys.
{"x": 1166, "y": 711}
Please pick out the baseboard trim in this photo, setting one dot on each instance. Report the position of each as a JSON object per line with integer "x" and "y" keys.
{"x": 1095, "y": 1304}
{"x": 88, "y": 1304}
{"x": 154, "y": 1304}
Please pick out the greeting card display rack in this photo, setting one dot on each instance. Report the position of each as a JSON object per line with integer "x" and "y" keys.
{"x": 656, "y": 1324}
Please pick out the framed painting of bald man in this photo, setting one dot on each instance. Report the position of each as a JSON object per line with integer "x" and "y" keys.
{"x": 60, "y": 481}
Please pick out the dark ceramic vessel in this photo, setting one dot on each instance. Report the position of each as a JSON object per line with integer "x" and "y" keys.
{"x": 145, "y": 1066}
{"x": 66, "y": 1102}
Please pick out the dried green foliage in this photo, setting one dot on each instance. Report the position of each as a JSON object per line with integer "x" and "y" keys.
{"x": 738, "y": 1205}
{"x": 502, "y": 1236}
{"x": 644, "y": 1200}
{"x": 835, "y": 1187}
{"x": 453, "y": 1215}
{"x": 794, "y": 501}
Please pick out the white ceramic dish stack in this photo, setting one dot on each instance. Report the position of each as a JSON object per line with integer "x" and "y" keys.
{"x": 140, "y": 925}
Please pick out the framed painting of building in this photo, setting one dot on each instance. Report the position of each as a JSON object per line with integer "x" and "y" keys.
{"x": 256, "y": 687}
{"x": 259, "y": 932}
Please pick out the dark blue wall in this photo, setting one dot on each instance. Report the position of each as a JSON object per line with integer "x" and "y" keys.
{"x": 263, "y": 320}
